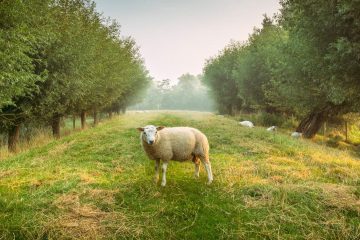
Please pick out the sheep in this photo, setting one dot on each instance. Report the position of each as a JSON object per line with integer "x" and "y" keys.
{"x": 271, "y": 129}
{"x": 296, "y": 134}
{"x": 247, "y": 124}
{"x": 178, "y": 144}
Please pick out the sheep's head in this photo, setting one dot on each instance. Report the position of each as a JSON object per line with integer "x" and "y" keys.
{"x": 149, "y": 133}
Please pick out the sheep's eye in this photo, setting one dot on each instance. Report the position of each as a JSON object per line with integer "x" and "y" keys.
{"x": 145, "y": 133}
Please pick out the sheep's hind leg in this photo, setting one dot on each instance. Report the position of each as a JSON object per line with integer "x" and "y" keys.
{"x": 157, "y": 167}
{"x": 207, "y": 165}
{"x": 164, "y": 167}
{"x": 196, "y": 161}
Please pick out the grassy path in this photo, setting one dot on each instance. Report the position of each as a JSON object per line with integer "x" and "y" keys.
{"x": 97, "y": 184}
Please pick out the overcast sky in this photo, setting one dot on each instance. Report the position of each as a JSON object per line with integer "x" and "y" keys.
{"x": 177, "y": 36}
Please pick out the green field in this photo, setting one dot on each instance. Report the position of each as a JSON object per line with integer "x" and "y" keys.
{"x": 98, "y": 184}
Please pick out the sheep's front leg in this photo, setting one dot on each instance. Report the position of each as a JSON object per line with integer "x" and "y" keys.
{"x": 157, "y": 168}
{"x": 164, "y": 167}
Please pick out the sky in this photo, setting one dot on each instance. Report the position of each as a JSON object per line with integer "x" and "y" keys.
{"x": 177, "y": 36}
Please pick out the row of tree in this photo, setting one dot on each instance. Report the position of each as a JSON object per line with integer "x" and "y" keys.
{"x": 305, "y": 62}
{"x": 61, "y": 57}
{"x": 187, "y": 94}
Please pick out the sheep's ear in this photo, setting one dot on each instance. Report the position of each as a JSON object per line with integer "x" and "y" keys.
{"x": 159, "y": 128}
{"x": 140, "y": 129}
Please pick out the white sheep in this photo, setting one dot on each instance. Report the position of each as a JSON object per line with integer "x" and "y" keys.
{"x": 175, "y": 143}
{"x": 296, "y": 135}
{"x": 271, "y": 129}
{"x": 247, "y": 124}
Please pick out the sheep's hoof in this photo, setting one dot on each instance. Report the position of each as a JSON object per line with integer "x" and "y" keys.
{"x": 163, "y": 184}
{"x": 209, "y": 182}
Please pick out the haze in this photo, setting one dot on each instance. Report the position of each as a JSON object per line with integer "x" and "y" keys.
{"x": 177, "y": 36}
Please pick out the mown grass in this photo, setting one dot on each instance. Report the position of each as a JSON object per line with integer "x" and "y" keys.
{"x": 97, "y": 184}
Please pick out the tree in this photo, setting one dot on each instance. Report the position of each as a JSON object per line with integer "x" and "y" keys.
{"x": 218, "y": 76}
{"x": 320, "y": 76}
{"x": 22, "y": 41}
{"x": 188, "y": 94}
{"x": 256, "y": 63}
{"x": 68, "y": 58}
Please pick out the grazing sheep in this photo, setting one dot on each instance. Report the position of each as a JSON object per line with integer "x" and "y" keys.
{"x": 176, "y": 143}
{"x": 247, "y": 124}
{"x": 296, "y": 135}
{"x": 271, "y": 129}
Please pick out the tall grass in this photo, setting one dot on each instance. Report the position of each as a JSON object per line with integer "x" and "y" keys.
{"x": 36, "y": 136}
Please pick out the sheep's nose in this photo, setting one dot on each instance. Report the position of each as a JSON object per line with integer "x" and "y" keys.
{"x": 151, "y": 142}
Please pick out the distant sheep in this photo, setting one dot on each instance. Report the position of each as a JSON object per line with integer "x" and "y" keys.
{"x": 247, "y": 124}
{"x": 178, "y": 144}
{"x": 271, "y": 129}
{"x": 296, "y": 135}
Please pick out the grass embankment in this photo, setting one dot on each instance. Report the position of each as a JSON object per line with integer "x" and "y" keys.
{"x": 97, "y": 184}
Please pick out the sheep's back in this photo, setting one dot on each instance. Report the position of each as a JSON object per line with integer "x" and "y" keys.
{"x": 184, "y": 142}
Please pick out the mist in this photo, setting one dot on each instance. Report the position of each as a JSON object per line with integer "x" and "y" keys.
{"x": 188, "y": 93}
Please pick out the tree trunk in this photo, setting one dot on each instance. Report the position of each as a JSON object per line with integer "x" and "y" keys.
{"x": 229, "y": 110}
{"x": 13, "y": 138}
{"x": 123, "y": 110}
{"x": 55, "y": 125}
{"x": 110, "y": 114}
{"x": 74, "y": 121}
{"x": 234, "y": 110}
{"x": 96, "y": 119}
{"x": 346, "y": 131}
{"x": 312, "y": 123}
{"x": 83, "y": 119}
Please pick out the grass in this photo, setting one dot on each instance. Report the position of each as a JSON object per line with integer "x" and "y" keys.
{"x": 40, "y": 136}
{"x": 334, "y": 135}
{"x": 97, "y": 184}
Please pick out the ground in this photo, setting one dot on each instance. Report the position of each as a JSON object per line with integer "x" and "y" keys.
{"x": 98, "y": 184}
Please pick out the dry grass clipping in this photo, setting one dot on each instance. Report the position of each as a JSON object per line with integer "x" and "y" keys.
{"x": 87, "y": 221}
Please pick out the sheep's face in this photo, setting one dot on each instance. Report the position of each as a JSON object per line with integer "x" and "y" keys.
{"x": 149, "y": 133}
